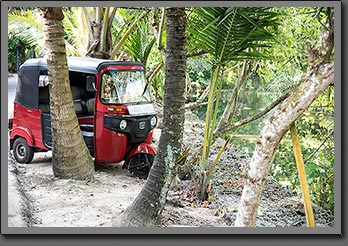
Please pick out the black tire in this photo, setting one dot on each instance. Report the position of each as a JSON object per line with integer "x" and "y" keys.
{"x": 140, "y": 165}
{"x": 22, "y": 152}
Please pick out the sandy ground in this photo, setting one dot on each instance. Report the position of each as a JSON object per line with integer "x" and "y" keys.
{"x": 56, "y": 202}
{"x": 51, "y": 202}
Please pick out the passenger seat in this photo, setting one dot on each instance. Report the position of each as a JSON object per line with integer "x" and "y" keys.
{"x": 90, "y": 106}
{"x": 77, "y": 96}
{"x": 44, "y": 99}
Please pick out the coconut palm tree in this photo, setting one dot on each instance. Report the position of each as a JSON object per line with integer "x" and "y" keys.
{"x": 102, "y": 43}
{"x": 70, "y": 156}
{"x": 97, "y": 32}
{"x": 227, "y": 35}
{"x": 148, "y": 205}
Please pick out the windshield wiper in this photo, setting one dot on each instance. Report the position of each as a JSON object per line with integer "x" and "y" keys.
{"x": 142, "y": 95}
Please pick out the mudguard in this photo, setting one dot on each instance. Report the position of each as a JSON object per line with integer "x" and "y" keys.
{"x": 24, "y": 133}
{"x": 142, "y": 148}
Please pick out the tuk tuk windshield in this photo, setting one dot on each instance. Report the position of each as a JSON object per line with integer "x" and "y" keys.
{"x": 124, "y": 87}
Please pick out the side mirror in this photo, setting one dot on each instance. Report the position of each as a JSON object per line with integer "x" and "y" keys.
{"x": 90, "y": 83}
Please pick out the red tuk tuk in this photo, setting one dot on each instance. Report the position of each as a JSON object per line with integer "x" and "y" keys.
{"x": 112, "y": 104}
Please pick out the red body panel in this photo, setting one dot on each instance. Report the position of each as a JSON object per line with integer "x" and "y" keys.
{"x": 109, "y": 146}
{"x": 27, "y": 124}
{"x": 86, "y": 120}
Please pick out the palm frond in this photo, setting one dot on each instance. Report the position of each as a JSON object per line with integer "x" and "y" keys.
{"x": 26, "y": 25}
{"x": 129, "y": 30}
{"x": 227, "y": 33}
{"x": 139, "y": 43}
{"x": 23, "y": 20}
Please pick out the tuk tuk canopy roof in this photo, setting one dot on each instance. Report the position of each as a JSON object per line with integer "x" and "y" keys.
{"x": 80, "y": 64}
{"x": 28, "y": 75}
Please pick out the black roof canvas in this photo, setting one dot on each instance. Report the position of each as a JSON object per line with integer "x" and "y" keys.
{"x": 28, "y": 75}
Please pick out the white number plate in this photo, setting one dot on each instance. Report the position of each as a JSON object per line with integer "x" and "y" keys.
{"x": 141, "y": 109}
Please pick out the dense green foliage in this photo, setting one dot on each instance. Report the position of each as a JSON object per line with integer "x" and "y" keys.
{"x": 21, "y": 47}
{"x": 221, "y": 37}
{"x": 22, "y": 38}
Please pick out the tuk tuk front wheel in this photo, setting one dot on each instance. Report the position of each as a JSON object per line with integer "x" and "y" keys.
{"x": 22, "y": 152}
{"x": 140, "y": 164}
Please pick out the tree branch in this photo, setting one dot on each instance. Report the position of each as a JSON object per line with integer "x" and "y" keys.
{"x": 320, "y": 74}
{"x": 231, "y": 106}
{"x": 315, "y": 151}
{"x": 155, "y": 72}
{"x": 199, "y": 102}
{"x": 258, "y": 115}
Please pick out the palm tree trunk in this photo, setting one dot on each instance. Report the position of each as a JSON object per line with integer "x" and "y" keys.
{"x": 70, "y": 156}
{"x": 148, "y": 205}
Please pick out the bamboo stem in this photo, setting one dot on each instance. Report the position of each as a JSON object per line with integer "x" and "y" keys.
{"x": 302, "y": 177}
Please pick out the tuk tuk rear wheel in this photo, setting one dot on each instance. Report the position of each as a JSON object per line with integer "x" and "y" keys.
{"x": 140, "y": 165}
{"x": 22, "y": 152}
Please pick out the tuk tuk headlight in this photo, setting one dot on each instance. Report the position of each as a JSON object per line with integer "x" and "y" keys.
{"x": 153, "y": 121}
{"x": 123, "y": 124}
